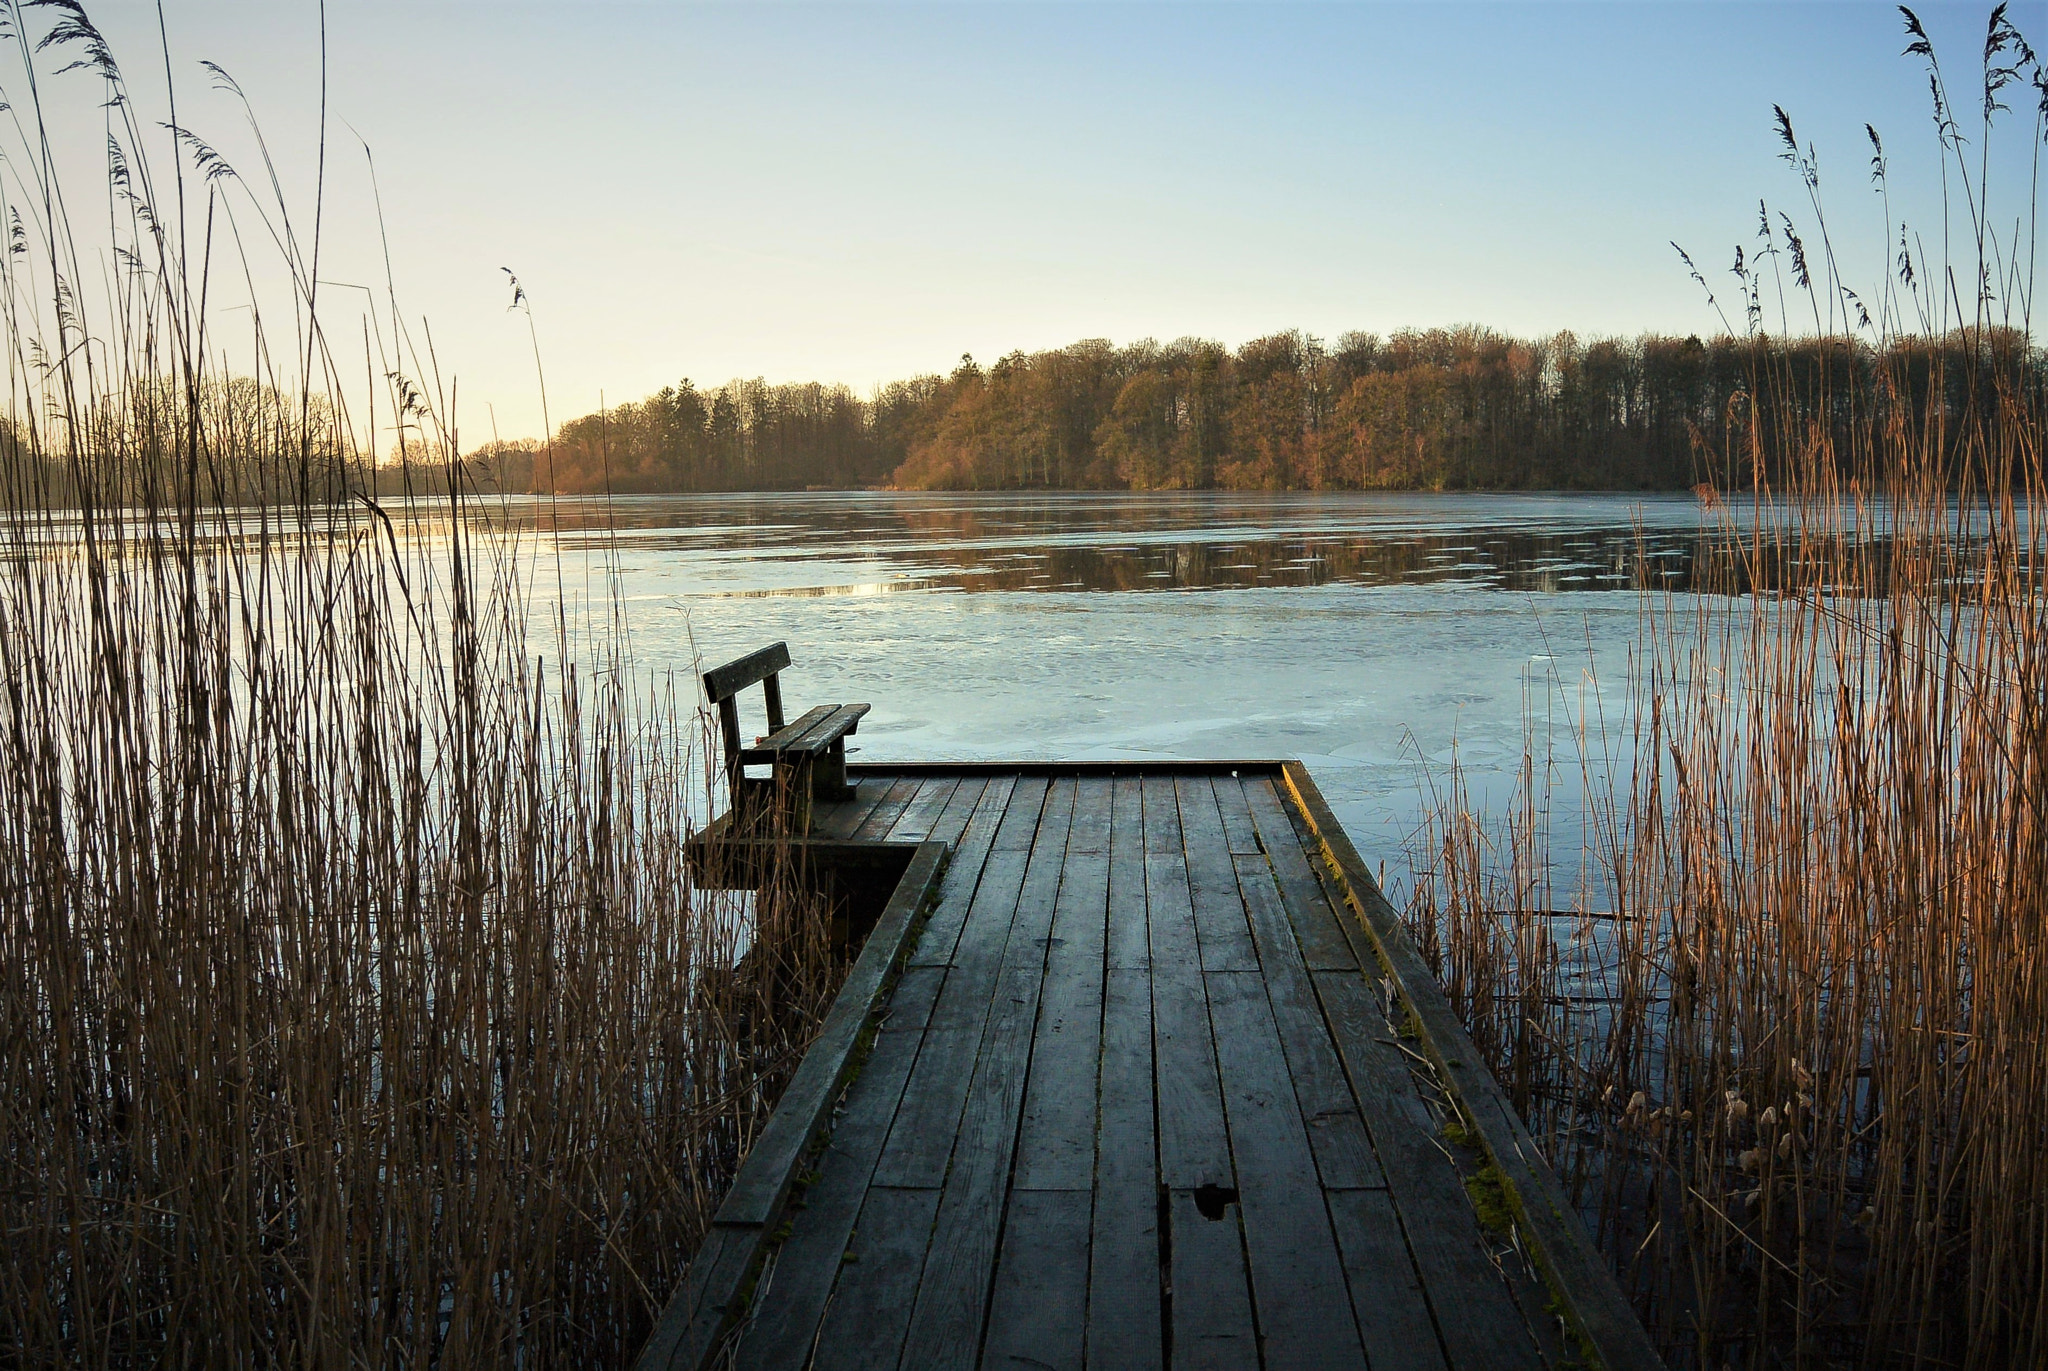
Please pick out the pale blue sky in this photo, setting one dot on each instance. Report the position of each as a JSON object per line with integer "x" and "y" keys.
{"x": 858, "y": 192}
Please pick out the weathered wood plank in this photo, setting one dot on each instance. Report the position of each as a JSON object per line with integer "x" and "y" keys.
{"x": 1576, "y": 1273}
{"x": 1226, "y": 941}
{"x": 838, "y": 819}
{"x": 689, "y": 1328}
{"x": 1056, "y": 1143}
{"x": 765, "y": 746}
{"x": 1238, "y": 828}
{"x": 1336, "y": 1131}
{"x": 1318, "y": 926}
{"x": 863, "y": 1329}
{"x": 921, "y": 815}
{"x": 882, "y": 816}
{"x": 965, "y": 876}
{"x": 951, "y": 825}
{"x": 1128, "y": 936}
{"x": 1475, "y": 1313}
{"x": 1386, "y": 1291}
{"x": 1094, "y": 798}
{"x": 695, "y": 1318}
{"x": 1124, "y": 1295}
{"x": 1211, "y": 1299}
{"x": 816, "y": 731}
{"x": 764, "y": 1177}
{"x": 723, "y": 682}
{"x": 1193, "y": 1148}
{"x": 1040, "y": 766}
{"x": 1298, "y": 1285}
{"x": 921, "y": 1141}
{"x": 1020, "y": 825}
{"x": 1038, "y": 1308}
{"x": 787, "y": 1311}
{"x": 952, "y": 1295}
{"x": 1162, "y": 816}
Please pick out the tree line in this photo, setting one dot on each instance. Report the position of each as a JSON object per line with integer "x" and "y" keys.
{"x": 1441, "y": 409}
{"x": 1462, "y": 408}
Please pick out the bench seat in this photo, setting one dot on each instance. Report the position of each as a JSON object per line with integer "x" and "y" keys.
{"x": 809, "y": 756}
{"x": 815, "y": 732}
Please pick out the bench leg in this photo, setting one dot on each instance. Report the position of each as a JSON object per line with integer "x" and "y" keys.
{"x": 828, "y": 778}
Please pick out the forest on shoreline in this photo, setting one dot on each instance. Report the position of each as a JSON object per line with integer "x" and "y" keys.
{"x": 1445, "y": 409}
{"x": 1441, "y": 409}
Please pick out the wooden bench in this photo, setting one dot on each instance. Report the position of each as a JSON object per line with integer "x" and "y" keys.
{"x": 808, "y": 756}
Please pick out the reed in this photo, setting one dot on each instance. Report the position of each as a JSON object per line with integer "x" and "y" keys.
{"x": 356, "y": 1004}
{"x": 1794, "y": 1066}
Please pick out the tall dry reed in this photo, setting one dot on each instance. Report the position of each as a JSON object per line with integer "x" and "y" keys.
{"x": 1794, "y": 1061}
{"x": 356, "y": 1005}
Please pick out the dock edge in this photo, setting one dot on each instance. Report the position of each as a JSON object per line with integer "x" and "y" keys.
{"x": 1586, "y": 1292}
{"x": 714, "y": 1290}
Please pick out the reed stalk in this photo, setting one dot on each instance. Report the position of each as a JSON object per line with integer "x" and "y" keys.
{"x": 356, "y": 1003}
{"x": 1788, "y": 1050}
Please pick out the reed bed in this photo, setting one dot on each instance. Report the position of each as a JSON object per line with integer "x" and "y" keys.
{"x": 357, "y": 1006}
{"x": 1790, "y": 1050}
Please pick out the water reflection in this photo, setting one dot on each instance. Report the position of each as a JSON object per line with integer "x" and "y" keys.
{"x": 1127, "y": 544}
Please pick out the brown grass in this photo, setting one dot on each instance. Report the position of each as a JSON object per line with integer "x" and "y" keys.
{"x": 356, "y": 1006}
{"x": 1795, "y": 1066}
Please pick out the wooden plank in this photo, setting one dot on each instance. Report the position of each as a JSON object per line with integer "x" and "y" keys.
{"x": 1474, "y": 1310}
{"x": 863, "y": 1329}
{"x": 693, "y": 1322}
{"x": 1056, "y": 1141}
{"x": 810, "y": 736}
{"x": 951, "y": 825}
{"x": 841, "y": 722}
{"x": 1124, "y": 1295}
{"x": 1193, "y": 1147}
{"x": 1336, "y": 1131}
{"x": 1040, "y": 766}
{"x": 782, "y": 737}
{"x": 786, "y": 1314}
{"x": 838, "y": 819}
{"x": 1318, "y": 926}
{"x": 1386, "y": 1290}
{"x": 1038, "y": 1307}
{"x": 964, "y": 877}
{"x": 1020, "y": 823}
{"x": 723, "y": 682}
{"x": 1210, "y": 1293}
{"x": 1298, "y": 1286}
{"x": 884, "y": 815}
{"x": 1128, "y": 936}
{"x": 690, "y": 1326}
{"x": 1576, "y": 1273}
{"x": 762, "y": 1182}
{"x": 921, "y": 1143}
{"x": 922, "y": 814}
{"x": 1162, "y": 816}
{"x": 1220, "y": 928}
{"x": 952, "y": 1296}
{"x": 1094, "y": 798}
{"x": 1238, "y": 828}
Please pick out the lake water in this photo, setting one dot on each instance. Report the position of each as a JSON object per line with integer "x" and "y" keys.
{"x": 1375, "y": 637}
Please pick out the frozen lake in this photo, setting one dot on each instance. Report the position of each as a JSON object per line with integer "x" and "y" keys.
{"x": 1372, "y": 636}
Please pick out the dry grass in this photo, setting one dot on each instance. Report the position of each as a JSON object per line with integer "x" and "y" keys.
{"x": 1796, "y": 1067}
{"x": 356, "y": 1007}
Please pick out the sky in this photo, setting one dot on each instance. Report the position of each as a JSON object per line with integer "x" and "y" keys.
{"x": 856, "y": 192}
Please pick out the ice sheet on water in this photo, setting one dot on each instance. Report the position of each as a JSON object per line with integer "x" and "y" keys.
{"x": 1103, "y": 627}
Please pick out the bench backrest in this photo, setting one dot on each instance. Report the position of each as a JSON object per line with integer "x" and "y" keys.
{"x": 722, "y": 683}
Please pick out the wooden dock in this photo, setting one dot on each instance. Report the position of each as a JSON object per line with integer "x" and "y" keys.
{"x": 1137, "y": 1069}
